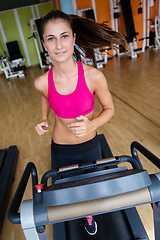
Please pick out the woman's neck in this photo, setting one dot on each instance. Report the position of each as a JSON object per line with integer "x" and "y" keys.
{"x": 66, "y": 68}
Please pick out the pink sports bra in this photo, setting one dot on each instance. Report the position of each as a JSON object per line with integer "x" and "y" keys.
{"x": 79, "y": 102}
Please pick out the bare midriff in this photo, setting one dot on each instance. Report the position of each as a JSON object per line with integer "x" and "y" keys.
{"x": 63, "y": 135}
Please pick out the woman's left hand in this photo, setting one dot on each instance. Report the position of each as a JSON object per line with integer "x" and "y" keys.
{"x": 82, "y": 127}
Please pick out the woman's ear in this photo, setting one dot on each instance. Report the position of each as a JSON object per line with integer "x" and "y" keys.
{"x": 43, "y": 45}
{"x": 74, "y": 37}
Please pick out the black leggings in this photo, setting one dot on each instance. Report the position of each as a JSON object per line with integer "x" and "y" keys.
{"x": 65, "y": 155}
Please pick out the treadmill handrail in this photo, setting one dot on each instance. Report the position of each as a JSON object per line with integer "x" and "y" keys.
{"x": 104, "y": 162}
{"x": 75, "y": 168}
{"x": 47, "y": 175}
{"x": 85, "y": 166}
{"x": 133, "y": 161}
{"x": 13, "y": 214}
{"x": 149, "y": 155}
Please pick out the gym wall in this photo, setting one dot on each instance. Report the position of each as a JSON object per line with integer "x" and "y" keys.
{"x": 56, "y": 4}
{"x": 83, "y": 4}
{"x": 103, "y": 12}
{"x": 10, "y": 4}
{"x": 20, "y": 31}
{"x": 13, "y": 24}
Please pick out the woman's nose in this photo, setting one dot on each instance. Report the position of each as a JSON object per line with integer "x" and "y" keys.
{"x": 59, "y": 45}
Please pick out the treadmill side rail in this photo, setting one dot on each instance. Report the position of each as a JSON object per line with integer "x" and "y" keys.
{"x": 27, "y": 220}
{"x": 28, "y": 223}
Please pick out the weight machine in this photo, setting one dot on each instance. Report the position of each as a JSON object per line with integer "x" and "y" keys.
{"x": 157, "y": 32}
{"x": 151, "y": 35}
{"x": 100, "y": 54}
{"x": 12, "y": 65}
{"x": 124, "y": 6}
{"x": 151, "y": 27}
{"x": 43, "y": 57}
{"x": 115, "y": 11}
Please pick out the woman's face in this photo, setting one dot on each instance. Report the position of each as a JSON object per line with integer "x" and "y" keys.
{"x": 58, "y": 40}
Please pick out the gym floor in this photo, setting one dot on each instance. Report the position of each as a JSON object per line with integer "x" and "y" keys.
{"x": 135, "y": 87}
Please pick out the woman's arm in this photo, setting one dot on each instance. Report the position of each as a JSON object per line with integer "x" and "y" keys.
{"x": 104, "y": 96}
{"x": 99, "y": 85}
{"x": 45, "y": 108}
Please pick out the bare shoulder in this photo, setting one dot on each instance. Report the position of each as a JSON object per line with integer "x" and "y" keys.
{"x": 41, "y": 83}
{"x": 93, "y": 75}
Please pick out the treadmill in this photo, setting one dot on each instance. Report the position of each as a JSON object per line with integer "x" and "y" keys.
{"x": 8, "y": 164}
{"x": 101, "y": 189}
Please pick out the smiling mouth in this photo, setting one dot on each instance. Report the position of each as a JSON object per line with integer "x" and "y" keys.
{"x": 60, "y": 53}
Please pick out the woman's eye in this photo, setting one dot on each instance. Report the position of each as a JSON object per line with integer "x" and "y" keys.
{"x": 65, "y": 36}
{"x": 50, "y": 39}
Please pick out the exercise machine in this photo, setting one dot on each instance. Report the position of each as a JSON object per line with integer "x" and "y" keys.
{"x": 12, "y": 66}
{"x": 100, "y": 54}
{"x": 115, "y": 20}
{"x": 43, "y": 57}
{"x": 115, "y": 11}
{"x": 101, "y": 188}
{"x": 157, "y": 32}
{"x": 150, "y": 25}
{"x": 8, "y": 164}
{"x": 118, "y": 7}
{"x": 130, "y": 28}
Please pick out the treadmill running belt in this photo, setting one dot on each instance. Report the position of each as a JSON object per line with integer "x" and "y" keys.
{"x": 111, "y": 226}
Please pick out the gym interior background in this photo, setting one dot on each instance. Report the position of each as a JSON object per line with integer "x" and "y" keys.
{"x": 14, "y": 23}
{"x": 133, "y": 80}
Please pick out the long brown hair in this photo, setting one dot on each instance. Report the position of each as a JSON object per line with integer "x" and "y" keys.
{"x": 90, "y": 35}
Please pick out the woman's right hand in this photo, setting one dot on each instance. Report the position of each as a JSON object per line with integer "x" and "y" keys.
{"x": 41, "y": 127}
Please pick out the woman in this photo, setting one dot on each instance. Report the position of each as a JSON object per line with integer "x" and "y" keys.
{"x": 69, "y": 88}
